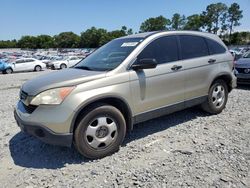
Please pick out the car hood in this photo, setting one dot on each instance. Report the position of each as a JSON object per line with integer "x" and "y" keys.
{"x": 243, "y": 63}
{"x": 62, "y": 78}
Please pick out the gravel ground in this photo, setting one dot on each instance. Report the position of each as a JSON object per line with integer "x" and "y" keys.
{"x": 186, "y": 149}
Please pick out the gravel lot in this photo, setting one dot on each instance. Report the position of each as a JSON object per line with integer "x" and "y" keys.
{"x": 185, "y": 149}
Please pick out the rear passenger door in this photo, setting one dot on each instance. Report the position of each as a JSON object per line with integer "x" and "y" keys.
{"x": 153, "y": 89}
{"x": 196, "y": 65}
{"x": 200, "y": 63}
{"x": 29, "y": 64}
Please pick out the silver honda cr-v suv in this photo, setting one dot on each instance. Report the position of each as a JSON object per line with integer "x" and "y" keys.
{"x": 129, "y": 80}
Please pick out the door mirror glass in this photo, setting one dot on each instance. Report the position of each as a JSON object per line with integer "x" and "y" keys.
{"x": 144, "y": 64}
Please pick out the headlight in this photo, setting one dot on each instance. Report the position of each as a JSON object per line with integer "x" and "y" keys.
{"x": 52, "y": 96}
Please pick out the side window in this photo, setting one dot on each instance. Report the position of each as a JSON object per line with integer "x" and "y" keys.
{"x": 193, "y": 46}
{"x": 29, "y": 60}
{"x": 19, "y": 61}
{"x": 214, "y": 47}
{"x": 164, "y": 49}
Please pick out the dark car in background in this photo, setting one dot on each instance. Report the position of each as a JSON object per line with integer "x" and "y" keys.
{"x": 242, "y": 69}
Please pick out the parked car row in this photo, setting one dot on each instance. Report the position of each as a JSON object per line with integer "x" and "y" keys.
{"x": 32, "y": 64}
{"x": 26, "y": 61}
{"x": 65, "y": 62}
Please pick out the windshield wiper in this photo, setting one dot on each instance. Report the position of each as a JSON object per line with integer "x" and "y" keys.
{"x": 83, "y": 68}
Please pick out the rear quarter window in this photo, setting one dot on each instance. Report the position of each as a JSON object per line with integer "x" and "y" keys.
{"x": 214, "y": 47}
{"x": 193, "y": 46}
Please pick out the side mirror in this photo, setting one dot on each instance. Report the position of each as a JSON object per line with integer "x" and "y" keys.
{"x": 144, "y": 64}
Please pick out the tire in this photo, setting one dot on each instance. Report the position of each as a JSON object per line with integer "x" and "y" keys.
{"x": 63, "y": 66}
{"x": 217, "y": 97}
{"x": 100, "y": 132}
{"x": 38, "y": 68}
{"x": 8, "y": 71}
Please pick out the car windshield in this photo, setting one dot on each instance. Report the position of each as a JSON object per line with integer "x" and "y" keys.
{"x": 246, "y": 55}
{"x": 110, "y": 55}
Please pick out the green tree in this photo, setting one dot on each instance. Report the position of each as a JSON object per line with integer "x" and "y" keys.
{"x": 67, "y": 40}
{"x": 126, "y": 30}
{"x": 92, "y": 37}
{"x": 214, "y": 17}
{"x": 27, "y": 42}
{"x": 234, "y": 16}
{"x": 114, "y": 34}
{"x": 194, "y": 22}
{"x": 155, "y": 24}
{"x": 45, "y": 41}
{"x": 178, "y": 21}
{"x": 130, "y": 32}
{"x": 8, "y": 44}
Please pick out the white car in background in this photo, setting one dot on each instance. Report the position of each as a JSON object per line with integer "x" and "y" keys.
{"x": 27, "y": 64}
{"x": 67, "y": 62}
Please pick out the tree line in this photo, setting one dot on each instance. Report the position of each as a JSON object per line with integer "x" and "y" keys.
{"x": 218, "y": 18}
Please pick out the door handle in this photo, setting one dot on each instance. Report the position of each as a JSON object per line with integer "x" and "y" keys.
{"x": 211, "y": 60}
{"x": 176, "y": 67}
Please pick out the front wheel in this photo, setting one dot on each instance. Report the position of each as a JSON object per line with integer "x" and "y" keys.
{"x": 217, "y": 97}
{"x": 63, "y": 66}
{"x": 100, "y": 132}
{"x": 38, "y": 68}
{"x": 8, "y": 71}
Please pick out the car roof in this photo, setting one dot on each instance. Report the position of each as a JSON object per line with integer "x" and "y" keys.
{"x": 147, "y": 34}
{"x": 141, "y": 35}
{"x": 184, "y": 32}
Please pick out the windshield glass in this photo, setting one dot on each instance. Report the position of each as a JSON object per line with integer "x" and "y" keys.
{"x": 246, "y": 55}
{"x": 110, "y": 55}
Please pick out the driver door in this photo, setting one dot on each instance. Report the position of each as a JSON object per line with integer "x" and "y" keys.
{"x": 156, "y": 90}
{"x": 19, "y": 65}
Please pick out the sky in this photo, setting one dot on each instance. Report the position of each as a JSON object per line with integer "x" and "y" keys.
{"x": 35, "y": 17}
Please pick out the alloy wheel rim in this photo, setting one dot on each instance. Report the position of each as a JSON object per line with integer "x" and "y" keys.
{"x": 101, "y": 132}
{"x": 218, "y": 96}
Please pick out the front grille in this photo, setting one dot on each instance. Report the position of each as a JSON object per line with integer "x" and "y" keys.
{"x": 30, "y": 108}
{"x": 242, "y": 70}
{"x": 24, "y": 98}
{"x": 243, "y": 81}
{"x": 23, "y": 95}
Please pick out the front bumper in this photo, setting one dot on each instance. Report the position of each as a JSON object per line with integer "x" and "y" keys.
{"x": 43, "y": 133}
{"x": 243, "y": 78}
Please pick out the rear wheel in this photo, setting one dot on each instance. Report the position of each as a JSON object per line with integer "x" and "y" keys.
{"x": 100, "y": 132}
{"x": 63, "y": 66}
{"x": 38, "y": 68}
{"x": 217, "y": 97}
{"x": 8, "y": 71}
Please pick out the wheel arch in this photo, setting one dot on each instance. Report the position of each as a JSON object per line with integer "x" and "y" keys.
{"x": 63, "y": 63}
{"x": 115, "y": 101}
{"x": 226, "y": 77}
{"x": 8, "y": 68}
{"x": 37, "y": 65}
